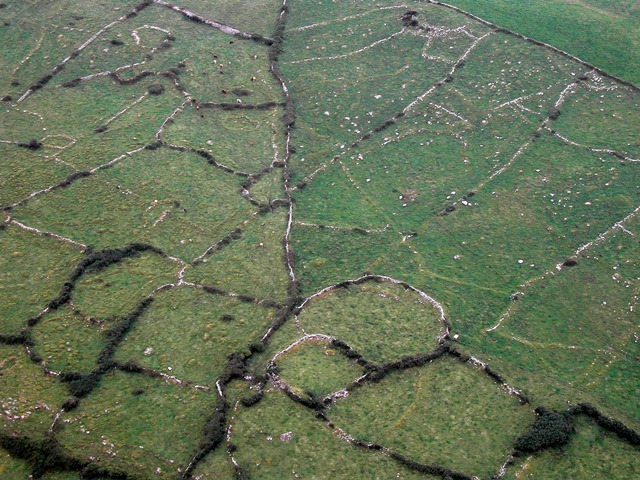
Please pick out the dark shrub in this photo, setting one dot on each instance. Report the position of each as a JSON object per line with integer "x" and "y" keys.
{"x": 70, "y": 403}
{"x": 241, "y": 92}
{"x": 116, "y": 42}
{"x": 72, "y": 83}
{"x": 155, "y": 89}
{"x": 551, "y": 429}
{"x": 32, "y": 144}
{"x": 554, "y": 113}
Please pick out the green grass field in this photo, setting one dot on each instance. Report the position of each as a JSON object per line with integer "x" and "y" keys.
{"x": 318, "y": 239}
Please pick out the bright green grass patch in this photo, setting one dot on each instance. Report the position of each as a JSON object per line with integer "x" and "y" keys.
{"x": 605, "y": 35}
{"x": 325, "y": 257}
{"x": 602, "y": 118}
{"x": 24, "y": 171}
{"x": 590, "y": 310}
{"x": 358, "y": 95}
{"x": 312, "y": 451}
{"x": 115, "y": 291}
{"x": 592, "y": 453}
{"x": 253, "y": 264}
{"x": 503, "y": 68}
{"x": 242, "y": 140}
{"x": 185, "y": 333}
{"x": 382, "y": 322}
{"x": 67, "y": 341}
{"x": 315, "y": 369}
{"x": 259, "y": 16}
{"x": 173, "y": 200}
{"x": 32, "y": 270}
{"x": 30, "y": 399}
{"x": 154, "y": 431}
{"x": 445, "y": 413}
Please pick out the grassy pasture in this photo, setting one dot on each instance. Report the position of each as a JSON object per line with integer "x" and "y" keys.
{"x": 602, "y": 115}
{"x": 256, "y": 17}
{"x": 39, "y": 35}
{"x": 170, "y": 199}
{"x": 13, "y": 467}
{"x": 137, "y": 431}
{"x": 68, "y": 342}
{"x": 240, "y": 140}
{"x": 216, "y": 466}
{"x": 32, "y": 399}
{"x": 251, "y": 265}
{"x": 450, "y": 414}
{"x": 312, "y": 451}
{"x": 604, "y": 33}
{"x": 359, "y": 95}
{"x": 26, "y": 172}
{"x": 185, "y": 333}
{"x": 116, "y": 291}
{"x": 382, "y": 322}
{"x": 315, "y": 368}
{"x": 32, "y": 271}
{"x": 398, "y": 203}
{"x": 579, "y": 325}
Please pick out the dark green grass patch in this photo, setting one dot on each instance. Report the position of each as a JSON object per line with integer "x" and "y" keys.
{"x": 148, "y": 432}
{"x": 309, "y": 447}
{"x": 190, "y": 333}
{"x": 445, "y": 413}
{"x": 591, "y": 453}
{"x": 30, "y": 399}
{"x": 251, "y": 265}
{"x": 67, "y": 341}
{"x": 380, "y": 321}
{"x": 12, "y": 467}
{"x": 317, "y": 369}
{"x": 115, "y": 291}
{"x": 32, "y": 270}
